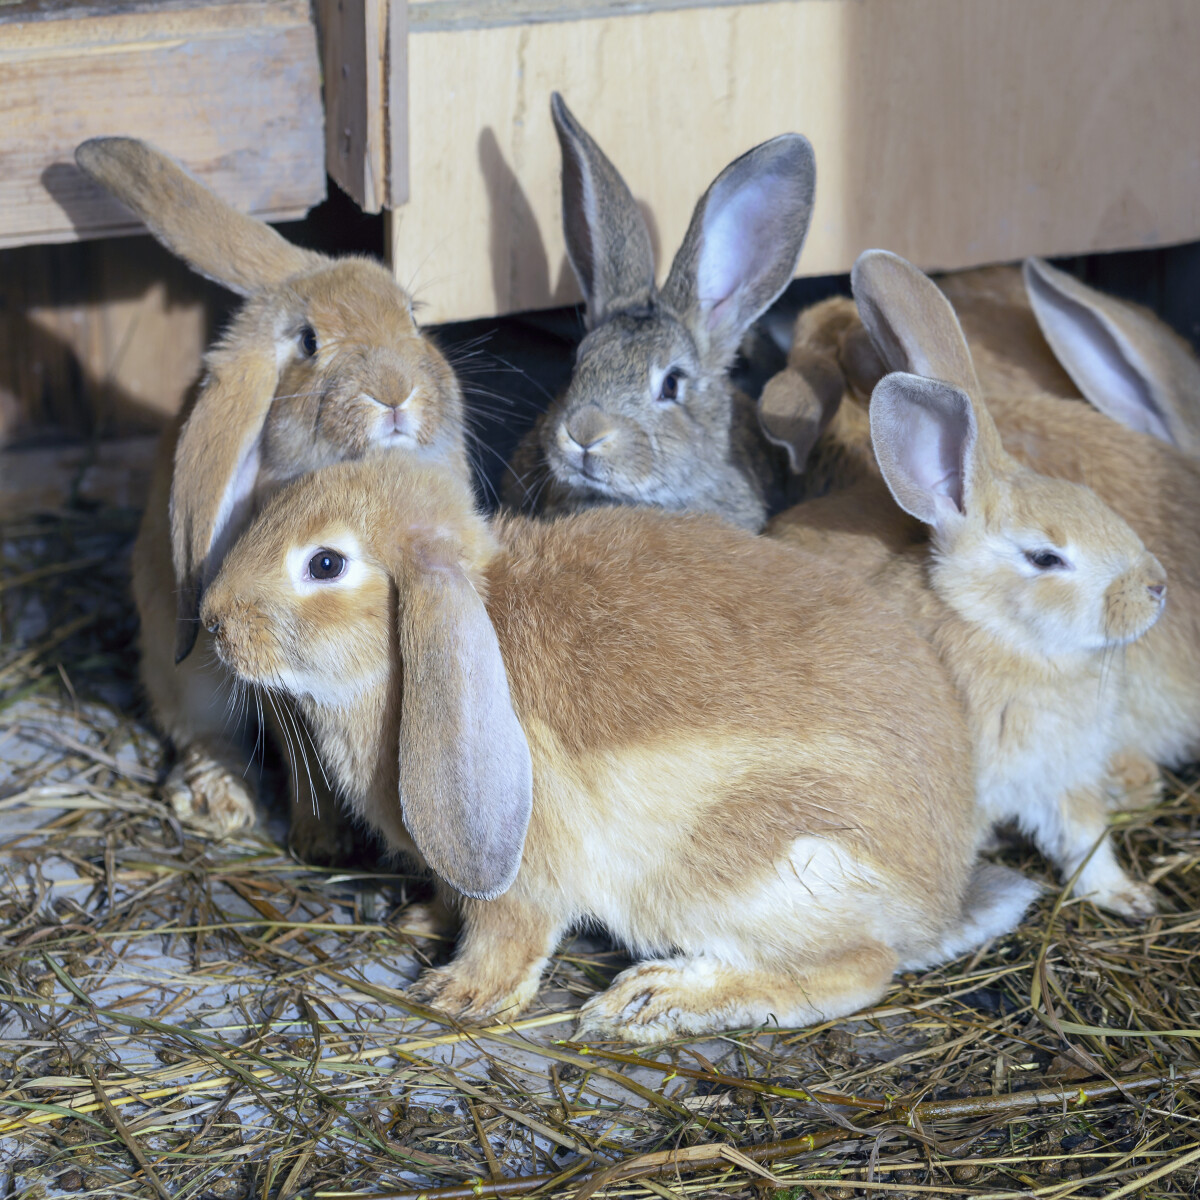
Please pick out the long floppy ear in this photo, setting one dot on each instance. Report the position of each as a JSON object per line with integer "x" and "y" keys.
{"x": 607, "y": 239}
{"x": 926, "y": 442}
{"x": 744, "y": 241}
{"x": 1128, "y": 365}
{"x": 216, "y": 467}
{"x": 798, "y": 403}
{"x": 466, "y": 779}
{"x": 214, "y": 239}
{"x": 914, "y": 327}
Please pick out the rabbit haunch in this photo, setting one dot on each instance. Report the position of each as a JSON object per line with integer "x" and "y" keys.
{"x": 720, "y": 750}
{"x": 650, "y": 415}
{"x": 322, "y": 362}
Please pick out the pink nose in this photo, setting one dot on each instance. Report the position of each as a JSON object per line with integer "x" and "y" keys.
{"x": 1157, "y": 590}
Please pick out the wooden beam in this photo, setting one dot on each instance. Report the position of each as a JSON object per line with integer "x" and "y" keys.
{"x": 956, "y": 132}
{"x": 230, "y": 88}
{"x": 364, "y": 53}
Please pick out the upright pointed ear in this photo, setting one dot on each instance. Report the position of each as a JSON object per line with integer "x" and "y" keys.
{"x": 926, "y": 442}
{"x": 914, "y": 327}
{"x": 744, "y": 242}
{"x": 214, "y": 239}
{"x": 607, "y": 239}
{"x": 798, "y": 403}
{"x": 217, "y": 459}
{"x": 1127, "y": 363}
{"x": 466, "y": 779}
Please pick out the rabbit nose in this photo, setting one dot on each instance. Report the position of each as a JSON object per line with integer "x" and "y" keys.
{"x": 591, "y": 444}
{"x": 390, "y": 404}
{"x": 213, "y": 625}
{"x": 1157, "y": 590}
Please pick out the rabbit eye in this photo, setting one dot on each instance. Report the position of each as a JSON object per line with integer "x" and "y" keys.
{"x": 1045, "y": 560}
{"x": 669, "y": 391}
{"x": 308, "y": 341}
{"x": 326, "y": 564}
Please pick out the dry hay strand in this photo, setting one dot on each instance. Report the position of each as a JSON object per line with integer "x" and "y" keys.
{"x": 188, "y": 1018}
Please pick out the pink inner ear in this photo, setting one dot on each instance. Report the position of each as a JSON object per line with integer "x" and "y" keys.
{"x": 923, "y": 431}
{"x": 932, "y": 454}
{"x": 737, "y": 247}
{"x": 235, "y": 510}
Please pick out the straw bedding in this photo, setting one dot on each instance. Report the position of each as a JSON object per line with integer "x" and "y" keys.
{"x": 186, "y": 1018}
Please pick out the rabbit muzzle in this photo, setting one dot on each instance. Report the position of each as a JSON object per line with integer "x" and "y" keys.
{"x": 1135, "y": 601}
{"x": 394, "y": 418}
{"x": 238, "y": 631}
{"x": 583, "y": 441}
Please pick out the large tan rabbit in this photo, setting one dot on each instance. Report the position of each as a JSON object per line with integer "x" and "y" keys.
{"x": 581, "y": 721}
{"x": 1153, "y": 487}
{"x": 322, "y": 362}
{"x": 650, "y": 415}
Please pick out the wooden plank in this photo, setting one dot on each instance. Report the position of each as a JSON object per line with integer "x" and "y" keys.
{"x": 428, "y": 16}
{"x": 956, "y": 132}
{"x": 99, "y": 339}
{"x": 363, "y": 50}
{"x": 231, "y": 88}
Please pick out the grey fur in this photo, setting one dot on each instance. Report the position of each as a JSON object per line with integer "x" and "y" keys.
{"x": 611, "y": 438}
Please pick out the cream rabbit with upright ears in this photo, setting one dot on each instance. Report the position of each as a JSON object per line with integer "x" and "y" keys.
{"x": 322, "y": 362}
{"x": 650, "y": 415}
{"x": 1153, "y": 485}
{"x": 1034, "y": 592}
{"x": 579, "y": 721}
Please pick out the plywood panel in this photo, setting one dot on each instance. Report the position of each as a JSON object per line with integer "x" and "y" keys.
{"x": 99, "y": 339}
{"x": 956, "y": 132}
{"x": 232, "y": 89}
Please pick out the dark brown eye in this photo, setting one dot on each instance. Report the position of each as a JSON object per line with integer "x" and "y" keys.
{"x": 670, "y": 387}
{"x": 1045, "y": 560}
{"x": 308, "y": 341}
{"x": 326, "y": 564}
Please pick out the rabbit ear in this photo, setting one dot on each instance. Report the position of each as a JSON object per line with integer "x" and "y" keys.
{"x": 216, "y": 468}
{"x": 798, "y": 403}
{"x": 607, "y": 239}
{"x": 744, "y": 241}
{"x": 926, "y": 442}
{"x": 1129, "y": 367}
{"x": 214, "y": 239}
{"x": 914, "y": 327}
{"x": 466, "y": 779}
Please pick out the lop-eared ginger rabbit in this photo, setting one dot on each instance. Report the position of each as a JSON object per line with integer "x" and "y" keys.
{"x": 650, "y": 415}
{"x": 1030, "y": 592}
{"x": 657, "y": 723}
{"x": 322, "y": 362}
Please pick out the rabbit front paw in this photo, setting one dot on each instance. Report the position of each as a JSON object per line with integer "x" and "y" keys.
{"x": 205, "y": 794}
{"x": 649, "y": 1003}
{"x": 469, "y": 997}
{"x": 1132, "y": 900}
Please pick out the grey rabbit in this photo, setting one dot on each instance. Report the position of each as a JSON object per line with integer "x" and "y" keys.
{"x": 650, "y": 415}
